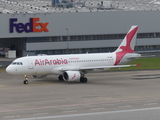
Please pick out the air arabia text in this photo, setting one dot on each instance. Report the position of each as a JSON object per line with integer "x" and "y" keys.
{"x": 51, "y": 62}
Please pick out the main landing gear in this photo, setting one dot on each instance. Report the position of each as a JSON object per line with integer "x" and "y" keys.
{"x": 60, "y": 78}
{"x": 26, "y": 80}
{"x": 83, "y": 80}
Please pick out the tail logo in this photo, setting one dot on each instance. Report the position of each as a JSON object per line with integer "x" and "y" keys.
{"x": 127, "y": 48}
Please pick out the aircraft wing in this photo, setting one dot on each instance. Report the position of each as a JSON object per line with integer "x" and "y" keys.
{"x": 97, "y": 67}
{"x": 106, "y": 67}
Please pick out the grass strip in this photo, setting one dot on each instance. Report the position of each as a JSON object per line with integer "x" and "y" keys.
{"x": 145, "y": 64}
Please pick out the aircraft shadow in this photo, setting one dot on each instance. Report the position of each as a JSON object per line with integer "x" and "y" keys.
{"x": 50, "y": 80}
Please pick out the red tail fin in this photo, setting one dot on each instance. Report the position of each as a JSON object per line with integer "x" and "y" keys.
{"x": 129, "y": 41}
{"x": 127, "y": 45}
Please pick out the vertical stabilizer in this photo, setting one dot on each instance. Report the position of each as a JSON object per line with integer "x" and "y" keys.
{"x": 129, "y": 41}
{"x": 127, "y": 45}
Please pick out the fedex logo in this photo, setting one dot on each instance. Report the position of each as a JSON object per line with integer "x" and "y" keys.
{"x": 32, "y": 26}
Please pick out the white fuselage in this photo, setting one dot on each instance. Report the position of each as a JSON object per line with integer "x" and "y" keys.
{"x": 34, "y": 65}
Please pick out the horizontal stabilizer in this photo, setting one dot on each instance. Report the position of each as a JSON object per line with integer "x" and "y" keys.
{"x": 135, "y": 57}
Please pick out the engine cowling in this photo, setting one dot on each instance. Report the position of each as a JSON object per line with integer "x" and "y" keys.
{"x": 71, "y": 76}
{"x": 39, "y": 76}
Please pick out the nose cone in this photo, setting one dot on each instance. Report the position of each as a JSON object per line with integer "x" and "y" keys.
{"x": 9, "y": 70}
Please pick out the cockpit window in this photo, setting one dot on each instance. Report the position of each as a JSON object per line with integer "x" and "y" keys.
{"x": 17, "y": 63}
{"x": 14, "y": 63}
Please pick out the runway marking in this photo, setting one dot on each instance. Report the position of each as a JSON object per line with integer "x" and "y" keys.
{"x": 2, "y": 86}
{"x": 69, "y": 111}
{"x": 151, "y": 101}
{"x": 151, "y": 104}
{"x": 95, "y": 113}
{"x": 41, "y": 83}
{"x": 71, "y": 105}
{"x": 8, "y": 116}
{"x": 71, "y": 108}
{"x": 125, "y": 106}
{"x": 98, "y": 109}
{"x": 41, "y": 114}
{"x": 109, "y": 104}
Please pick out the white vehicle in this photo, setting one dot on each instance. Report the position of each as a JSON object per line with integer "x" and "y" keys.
{"x": 74, "y": 67}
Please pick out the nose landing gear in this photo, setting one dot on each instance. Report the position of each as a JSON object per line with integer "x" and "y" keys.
{"x": 26, "y": 80}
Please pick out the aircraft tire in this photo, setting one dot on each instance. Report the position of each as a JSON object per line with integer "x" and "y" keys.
{"x": 83, "y": 80}
{"x": 25, "y": 82}
{"x": 60, "y": 78}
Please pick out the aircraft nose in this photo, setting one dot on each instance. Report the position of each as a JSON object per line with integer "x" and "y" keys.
{"x": 9, "y": 70}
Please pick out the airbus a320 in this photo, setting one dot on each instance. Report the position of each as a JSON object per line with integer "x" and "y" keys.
{"x": 74, "y": 67}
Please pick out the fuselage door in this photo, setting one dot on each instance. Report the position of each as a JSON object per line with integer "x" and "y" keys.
{"x": 30, "y": 64}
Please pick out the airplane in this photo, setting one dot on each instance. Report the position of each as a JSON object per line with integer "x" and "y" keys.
{"x": 73, "y": 67}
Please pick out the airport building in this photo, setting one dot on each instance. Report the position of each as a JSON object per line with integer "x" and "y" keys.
{"x": 68, "y": 31}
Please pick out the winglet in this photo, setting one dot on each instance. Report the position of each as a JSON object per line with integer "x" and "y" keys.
{"x": 138, "y": 65}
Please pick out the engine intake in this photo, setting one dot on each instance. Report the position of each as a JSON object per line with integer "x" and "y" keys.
{"x": 71, "y": 76}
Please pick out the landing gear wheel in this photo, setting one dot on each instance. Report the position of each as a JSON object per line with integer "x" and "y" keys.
{"x": 83, "y": 79}
{"x": 25, "y": 82}
{"x": 60, "y": 78}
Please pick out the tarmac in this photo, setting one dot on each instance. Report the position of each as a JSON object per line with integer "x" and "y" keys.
{"x": 48, "y": 98}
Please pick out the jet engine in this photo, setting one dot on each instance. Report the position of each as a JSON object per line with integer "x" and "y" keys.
{"x": 71, "y": 76}
{"x": 39, "y": 76}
